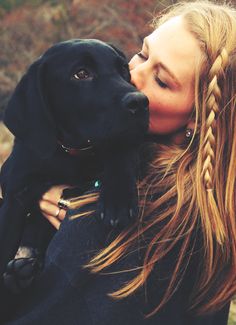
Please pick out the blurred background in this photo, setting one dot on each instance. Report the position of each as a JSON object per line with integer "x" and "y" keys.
{"x": 28, "y": 28}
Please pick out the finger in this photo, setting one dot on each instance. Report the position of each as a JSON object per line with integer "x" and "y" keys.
{"x": 54, "y": 193}
{"x": 54, "y": 221}
{"x": 48, "y": 208}
{"x": 61, "y": 214}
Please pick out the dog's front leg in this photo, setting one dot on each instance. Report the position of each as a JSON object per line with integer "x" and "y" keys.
{"x": 13, "y": 214}
{"x": 118, "y": 202}
{"x": 12, "y": 219}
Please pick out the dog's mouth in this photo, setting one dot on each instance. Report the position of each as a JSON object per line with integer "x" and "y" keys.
{"x": 76, "y": 151}
{"x": 69, "y": 143}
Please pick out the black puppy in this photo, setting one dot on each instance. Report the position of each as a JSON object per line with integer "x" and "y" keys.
{"x": 75, "y": 116}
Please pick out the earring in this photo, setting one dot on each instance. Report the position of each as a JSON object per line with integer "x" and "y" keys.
{"x": 188, "y": 134}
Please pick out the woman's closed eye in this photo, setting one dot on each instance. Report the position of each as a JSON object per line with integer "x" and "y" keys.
{"x": 142, "y": 56}
{"x": 161, "y": 83}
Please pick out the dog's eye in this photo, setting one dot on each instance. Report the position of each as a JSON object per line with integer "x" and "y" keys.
{"x": 82, "y": 74}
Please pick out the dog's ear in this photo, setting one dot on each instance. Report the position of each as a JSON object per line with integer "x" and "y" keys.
{"x": 27, "y": 114}
{"x": 120, "y": 53}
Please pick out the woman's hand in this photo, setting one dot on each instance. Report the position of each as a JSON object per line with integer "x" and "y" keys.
{"x": 49, "y": 205}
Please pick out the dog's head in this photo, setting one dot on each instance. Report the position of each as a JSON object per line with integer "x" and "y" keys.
{"x": 78, "y": 91}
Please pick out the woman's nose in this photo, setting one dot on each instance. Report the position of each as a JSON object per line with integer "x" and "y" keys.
{"x": 136, "y": 78}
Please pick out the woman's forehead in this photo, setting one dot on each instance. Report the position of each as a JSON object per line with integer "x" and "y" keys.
{"x": 174, "y": 46}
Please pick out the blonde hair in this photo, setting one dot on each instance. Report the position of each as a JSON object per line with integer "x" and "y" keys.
{"x": 194, "y": 185}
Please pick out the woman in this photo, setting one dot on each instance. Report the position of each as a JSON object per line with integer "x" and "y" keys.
{"x": 176, "y": 264}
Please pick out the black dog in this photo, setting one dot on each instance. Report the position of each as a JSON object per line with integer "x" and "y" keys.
{"x": 75, "y": 116}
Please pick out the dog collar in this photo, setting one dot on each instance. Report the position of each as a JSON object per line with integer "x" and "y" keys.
{"x": 75, "y": 151}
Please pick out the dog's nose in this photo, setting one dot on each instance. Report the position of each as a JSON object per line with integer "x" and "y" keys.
{"x": 136, "y": 102}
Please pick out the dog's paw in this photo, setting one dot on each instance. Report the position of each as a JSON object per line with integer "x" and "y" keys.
{"x": 21, "y": 272}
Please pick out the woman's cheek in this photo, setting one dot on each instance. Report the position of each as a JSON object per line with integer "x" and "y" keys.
{"x": 156, "y": 104}
{"x": 162, "y": 116}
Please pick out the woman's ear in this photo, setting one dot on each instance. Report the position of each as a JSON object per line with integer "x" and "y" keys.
{"x": 184, "y": 134}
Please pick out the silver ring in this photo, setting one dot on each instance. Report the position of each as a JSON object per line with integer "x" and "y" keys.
{"x": 63, "y": 204}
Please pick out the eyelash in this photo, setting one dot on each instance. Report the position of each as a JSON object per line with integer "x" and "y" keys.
{"x": 158, "y": 81}
{"x": 161, "y": 83}
{"x": 142, "y": 56}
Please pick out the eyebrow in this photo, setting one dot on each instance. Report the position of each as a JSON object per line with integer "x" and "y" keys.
{"x": 163, "y": 66}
